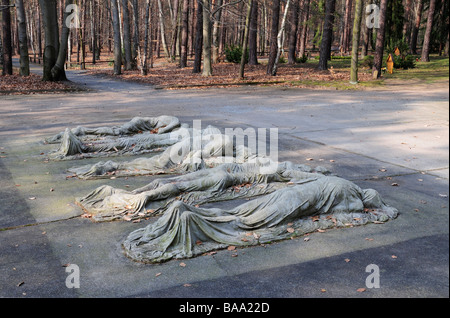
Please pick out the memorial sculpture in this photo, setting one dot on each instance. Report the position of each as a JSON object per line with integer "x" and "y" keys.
{"x": 284, "y": 199}
{"x": 138, "y": 136}
{"x": 224, "y": 182}
{"x": 186, "y": 155}
{"x": 160, "y": 125}
{"x": 71, "y": 147}
{"x": 318, "y": 202}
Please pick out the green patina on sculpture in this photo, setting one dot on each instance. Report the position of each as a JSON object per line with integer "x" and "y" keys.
{"x": 138, "y": 136}
{"x": 185, "y": 231}
{"x": 284, "y": 201}
{"x": 186, "y": 155}
{"x": 224, "y": 182}
{"x": 159, "y": 125}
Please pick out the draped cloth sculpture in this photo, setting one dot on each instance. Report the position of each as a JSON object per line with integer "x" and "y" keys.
{"x": 185, "y": 231}
{"x": 284, "y": 201}
{"x": 188, "y": 154}
{"x": 138, "y": 136}
{"x": 224, "y": 182}
{"x": 159, "y": 125}
{"x": 71, "y": 147}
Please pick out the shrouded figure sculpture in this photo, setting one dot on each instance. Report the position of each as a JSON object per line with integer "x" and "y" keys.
{"x": 185, "y": 231}
{"x": 224, "y": 182}
{"x": 71, "y": 147}
{"x": 186, "y": 155}
{"x": 159, "y": 125}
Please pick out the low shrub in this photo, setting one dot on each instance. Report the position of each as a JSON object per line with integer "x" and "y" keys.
{"x": 404, "y": 62}
{"x": 233, "y": 54}
{"x": 367, "y": 61}
{"x": 302, "y": 59}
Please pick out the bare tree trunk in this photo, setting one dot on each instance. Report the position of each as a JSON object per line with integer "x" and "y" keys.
{"x": 325, "y": 45}
{"x": 253, "y": 35}
{"x": 58, "y": 72}
{"x": 304, "y": 33}
{"x": 82, "y": 34}
{"x": 379, "y": 48}
{"x": 427, "y": 40}
{"x": 1, "y": 54}
{"x": 39, "y": 32}
{"x": 174, "y": 30}
{"x": 245, "y": 44}
{"x": 93, "y": 30}
{"x": 347, "y": 22}
{"x": 280, "y": 38}
{"x": 198, "y": 38}
{"x": 162, "y": 30}
{"x": 117, "y": 39}
{"x": 416, "y": 27}
{"x": 207, "y": 68}
{"x": 355, "y": 42}
{"x": 150, "y": 33}
{"x": 184, "y": 33}
{"x": 136, "y": 35}
{"x": 447, "y": 46}
{"x": 407, "y": 22}
{"x": 366, "y": 35}
{"x": 23, "y": 39}
{"x": 51, "y": 48}
{"x": 273, "y": 36}
{"x": 293, "y": 32}
{"x": 7, "y": 40}
{"x": 192, "y": 24}
{"x": 215, "y": 33}
{"x": 144, "y": 56}
{"x": 126, "y": 35}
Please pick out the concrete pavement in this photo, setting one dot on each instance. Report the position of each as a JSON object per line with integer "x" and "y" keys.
{"x": 375, "y": 138}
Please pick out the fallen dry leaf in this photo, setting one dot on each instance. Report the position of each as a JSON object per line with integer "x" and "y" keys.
{"x": 182, "y": 264}
{"x": 231, "y": 248}
{"x": 360, "y": 290}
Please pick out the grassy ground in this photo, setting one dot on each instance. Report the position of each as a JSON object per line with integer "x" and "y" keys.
{"x": 427, "y": 72}
{"x": 435, "y": 71}
{"x": 169, "y": 76}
